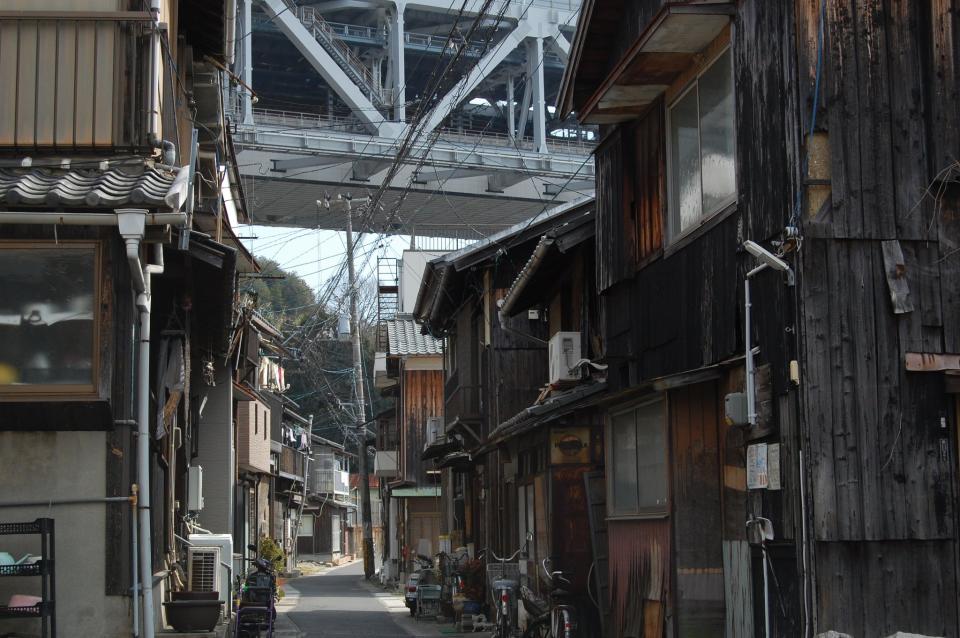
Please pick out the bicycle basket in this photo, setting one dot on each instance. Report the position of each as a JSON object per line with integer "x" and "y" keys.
{"x": 502, "y": 571}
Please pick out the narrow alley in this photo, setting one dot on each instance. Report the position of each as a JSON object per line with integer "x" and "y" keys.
{"x": 337, "y": 604}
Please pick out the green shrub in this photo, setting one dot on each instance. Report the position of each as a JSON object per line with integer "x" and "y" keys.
{"x": 273, "y": 552}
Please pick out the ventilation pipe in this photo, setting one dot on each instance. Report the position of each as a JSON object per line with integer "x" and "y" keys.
{"x": 153, "y": 94}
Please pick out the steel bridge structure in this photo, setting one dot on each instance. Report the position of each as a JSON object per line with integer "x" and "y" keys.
{"x": 330, "y": 90}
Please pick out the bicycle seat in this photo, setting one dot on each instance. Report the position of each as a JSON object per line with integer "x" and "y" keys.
{"x": 559, "y": 593}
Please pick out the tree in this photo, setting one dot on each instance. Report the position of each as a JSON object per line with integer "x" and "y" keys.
{"x": 283, "y": 297}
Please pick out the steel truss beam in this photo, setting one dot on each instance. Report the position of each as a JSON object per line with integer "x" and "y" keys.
{"x": 288, "y": 22}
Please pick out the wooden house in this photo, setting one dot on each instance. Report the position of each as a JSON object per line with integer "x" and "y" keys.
{"x": 551, "y": 451}
{"x": 322, "y": 532}
{"x": 494, "y": 369}
{"x": 815, "y": 490}
{"x": 415, "y": 363}
{"x": 118, "y": 272}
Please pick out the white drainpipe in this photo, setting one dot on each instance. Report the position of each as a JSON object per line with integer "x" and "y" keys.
{"x": 132, "y": 224}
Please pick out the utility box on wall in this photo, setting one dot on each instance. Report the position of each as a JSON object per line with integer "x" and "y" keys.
{"x": 195, "y": 488}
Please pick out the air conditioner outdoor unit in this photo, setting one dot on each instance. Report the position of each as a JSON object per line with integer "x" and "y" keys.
{"x": 564, "y": 351}
{"x": 434, "y": 429}
{"x": 203, "y": 568}
{"x": 205, "y": 557}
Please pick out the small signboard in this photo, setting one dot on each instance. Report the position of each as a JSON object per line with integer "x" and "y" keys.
{"x": 569, "y": 445}
{"x": 773, "y": 466}
{"x": 757, "y": 468}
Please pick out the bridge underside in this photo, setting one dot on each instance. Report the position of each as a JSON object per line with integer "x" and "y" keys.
{"x": 487, "y": 154}
{"x": 459, "y": 203}
{"x": 293, "y": 202}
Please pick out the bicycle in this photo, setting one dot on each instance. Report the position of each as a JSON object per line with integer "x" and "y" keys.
{"x": 504, "y": 577}
{"x": 556, "y": 619}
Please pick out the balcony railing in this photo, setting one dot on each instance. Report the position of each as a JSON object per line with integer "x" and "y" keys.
{"x": 291, "y": 461}
{"x": 336, "y": 482}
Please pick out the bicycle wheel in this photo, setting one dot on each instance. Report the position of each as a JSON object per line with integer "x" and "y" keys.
{"x": 504, "y": 628}
{"x": 539, "y": 628}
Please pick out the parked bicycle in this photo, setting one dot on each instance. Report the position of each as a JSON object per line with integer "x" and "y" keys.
{"x": 556, "y": 618}
{"x": 258, "y": 595}
{"x": 504, "y": 577}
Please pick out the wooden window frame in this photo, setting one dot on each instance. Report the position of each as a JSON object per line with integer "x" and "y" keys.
{"x": 640, "y": 513}
{"x": 65, "y": 392}
{"x": 679, "y": 90}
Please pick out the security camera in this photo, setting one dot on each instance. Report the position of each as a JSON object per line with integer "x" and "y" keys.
{"x": 766, "y": 256}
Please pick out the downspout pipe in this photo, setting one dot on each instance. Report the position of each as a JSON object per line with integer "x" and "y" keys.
{"x": 132, "y": 226}
{"x": 153, "y": 93}
{"x": 230, "y": 30}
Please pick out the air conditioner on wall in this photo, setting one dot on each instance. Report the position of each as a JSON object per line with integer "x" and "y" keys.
{"x": 200, "y": 560}
{"x": 434, "y": 429}
{"x": 564, "y": 352}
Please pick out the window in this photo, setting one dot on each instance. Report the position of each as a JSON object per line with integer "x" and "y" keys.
{"x": 49, "y": 317}
{"x": 701, "y": 148}
{"x": 306, "y": 525}
{"x": 638, "y": 461}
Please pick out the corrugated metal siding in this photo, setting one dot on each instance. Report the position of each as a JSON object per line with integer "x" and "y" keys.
{"x": 64, "y": 83}
{"x": 639, "y": 577}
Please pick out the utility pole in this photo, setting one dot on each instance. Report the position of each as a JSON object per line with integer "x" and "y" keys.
{"x": 361, "y": 403}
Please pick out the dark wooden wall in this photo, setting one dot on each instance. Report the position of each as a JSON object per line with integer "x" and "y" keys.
{"x": 880, "y": 440}
{"x": 422, "y": 397}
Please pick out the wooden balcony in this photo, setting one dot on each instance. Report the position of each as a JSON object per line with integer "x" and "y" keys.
{"x": 291, "y": 462}
{"x": 461, "y": 401}
{"x": 73, "y": 79}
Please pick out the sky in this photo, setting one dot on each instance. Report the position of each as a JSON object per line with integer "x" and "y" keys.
{"x": 316, "y": 255}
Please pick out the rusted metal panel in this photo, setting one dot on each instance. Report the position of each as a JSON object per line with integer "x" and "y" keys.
{"x": 927, "y": 362}
{"x": 639, "y": 576}
{"x": 570, "y": 523}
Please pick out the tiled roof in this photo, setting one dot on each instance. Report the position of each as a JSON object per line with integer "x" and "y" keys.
{"x": 406, "y": 339}
{"x": 92, "y": 187}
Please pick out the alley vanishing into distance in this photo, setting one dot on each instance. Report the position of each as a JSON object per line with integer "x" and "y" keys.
{"x": 339, "y": 604}
{"x": 499, "y": 318}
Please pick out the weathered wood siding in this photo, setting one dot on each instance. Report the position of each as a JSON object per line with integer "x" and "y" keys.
{"x": 879, "y": 588}
{"x": 422, "y": 398}
{"x": 881, "y": 451}
{"x": 695, "y": 496}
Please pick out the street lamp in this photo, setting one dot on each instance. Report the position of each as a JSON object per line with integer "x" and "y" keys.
{"x": 769, "y": 260}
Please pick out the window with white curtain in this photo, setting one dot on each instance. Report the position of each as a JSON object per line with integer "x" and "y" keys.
{"x": 701, "y": 147}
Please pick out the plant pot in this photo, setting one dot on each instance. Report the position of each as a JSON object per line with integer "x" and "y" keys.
{"x": 193, "y": 615}
{"x": 195, "y": 595}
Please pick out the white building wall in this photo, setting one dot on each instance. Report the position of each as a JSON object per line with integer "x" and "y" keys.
{"x": 413, "y": 263}
{"x": 62, "y": 465}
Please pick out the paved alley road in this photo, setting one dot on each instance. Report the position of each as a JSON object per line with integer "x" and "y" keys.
{"x": 336, "y": 605}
